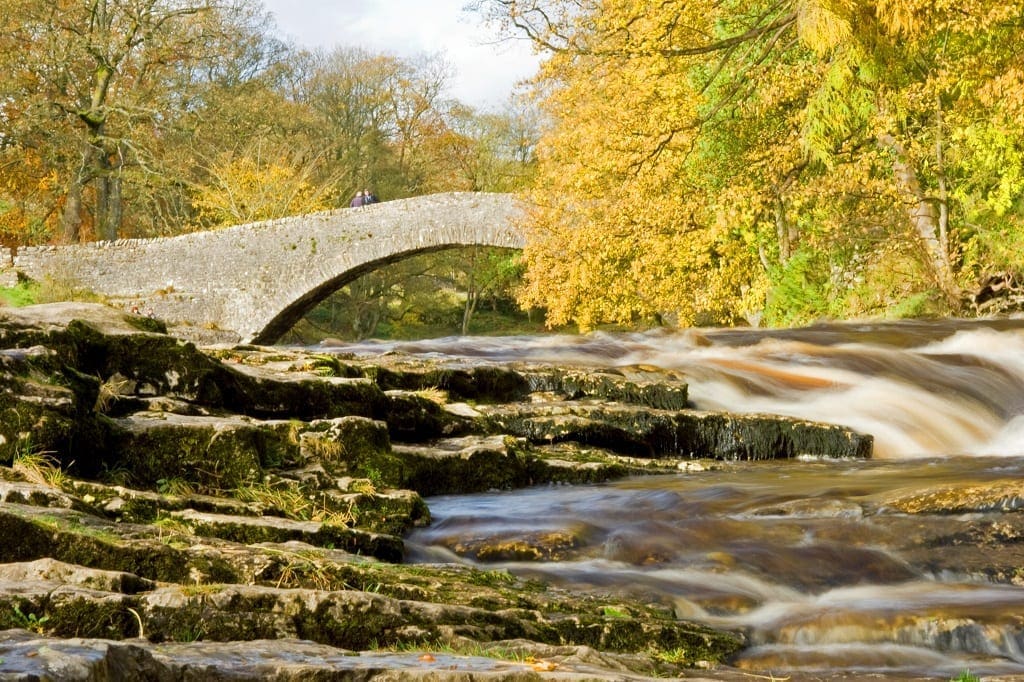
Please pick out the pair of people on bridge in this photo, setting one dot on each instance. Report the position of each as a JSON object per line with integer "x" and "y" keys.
{"x": 363, "y": 198}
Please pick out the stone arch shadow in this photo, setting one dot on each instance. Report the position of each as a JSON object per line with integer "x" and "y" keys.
{"x": 282, "y": 322}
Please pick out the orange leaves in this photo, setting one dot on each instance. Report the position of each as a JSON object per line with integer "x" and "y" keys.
{"x": 540, "y": 665}
{"x": 1005, "y": 93}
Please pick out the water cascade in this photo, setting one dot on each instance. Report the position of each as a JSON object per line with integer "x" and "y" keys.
{"x": 909, "y": 564}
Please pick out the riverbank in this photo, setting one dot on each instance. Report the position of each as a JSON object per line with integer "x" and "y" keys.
{"x": 156, "y": 495}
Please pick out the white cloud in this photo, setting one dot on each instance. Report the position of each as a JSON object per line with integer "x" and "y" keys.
{"x": 485, "y": 71}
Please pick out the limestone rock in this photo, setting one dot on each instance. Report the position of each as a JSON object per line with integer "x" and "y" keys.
{"x": 251, "y": 530}
{"x": 256, "y": 494}
{"x": 1000, "y": 495}
{"x": 288, "y": 660}
{"x": 58, "y": 572}
{"x": 686, "y": 434}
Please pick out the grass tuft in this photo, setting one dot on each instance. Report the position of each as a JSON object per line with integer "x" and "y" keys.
{"x": 41, "y": 468}
{"x": 292, "y": 502}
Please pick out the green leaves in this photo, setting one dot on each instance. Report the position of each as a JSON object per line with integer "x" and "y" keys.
{"x": 711, "y": 159}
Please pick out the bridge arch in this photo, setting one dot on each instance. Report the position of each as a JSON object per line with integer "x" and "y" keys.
{"x": 251, "y": 283}
{"x": 279, "y": 325}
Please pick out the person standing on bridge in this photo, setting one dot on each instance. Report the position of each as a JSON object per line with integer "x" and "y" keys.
{"x": 358, "y": 200}
{"x": 369, "y": 197}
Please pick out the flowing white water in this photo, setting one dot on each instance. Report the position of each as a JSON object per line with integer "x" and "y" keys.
{"x": 921, "y": 389}
{"x": 815, "y": 561}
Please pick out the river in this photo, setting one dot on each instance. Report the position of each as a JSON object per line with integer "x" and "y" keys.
{"x": 818, "y": 561}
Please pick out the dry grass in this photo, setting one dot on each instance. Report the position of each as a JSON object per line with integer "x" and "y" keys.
{"x": 110, "y": 389}
{"x": 294, "y": 503}
{"x": 433, "y": 394}
{"x": 41, "y": 468}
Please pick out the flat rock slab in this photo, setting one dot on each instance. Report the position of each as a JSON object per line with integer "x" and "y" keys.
{"x": 647, "y": 432}
{"x": 138, "y": 422}
{"x": 25, "y": 656}
{"x": 60, "y": 572}
{"x": 251, "y": 530}
{"x": 38, "y": 495}
{"x": 137, "y": 506}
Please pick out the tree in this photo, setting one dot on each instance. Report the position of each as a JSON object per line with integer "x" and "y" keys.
{"x": 486, "y": 273}
{"x": 487, "y": 151}
{"x": 94, "y": 87}
{"x": 249, "y": 187}
{"x": 373, "y": 113}
{"x": 710, "y": 159}
{"x": 151, "y": 117}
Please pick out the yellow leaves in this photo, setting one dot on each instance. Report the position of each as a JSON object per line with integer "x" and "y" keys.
{"x": 1005, "y": 93}
{"x": 247, "y": 189}
{"x": 679, "y": 184}
{"x": 823, "y": 25}
{"x": 996, "y": 157}
{"x": 899, "y": 16}
{"x": 841, "y": 107}
{"x": 625, "y": 260}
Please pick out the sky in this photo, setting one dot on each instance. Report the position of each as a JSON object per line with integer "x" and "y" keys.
{"x": 485, "y": 70}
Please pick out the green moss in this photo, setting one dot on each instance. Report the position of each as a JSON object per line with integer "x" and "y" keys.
{"x": 351, "y": 625}
{"x": 24, "y": 293}
{"x": 146, "y": 324}
{"x": 197, "y": 454}
{"x": 89, "y": 617}
{"x": 490, "y": 578}
{"x": 73, "y": 542}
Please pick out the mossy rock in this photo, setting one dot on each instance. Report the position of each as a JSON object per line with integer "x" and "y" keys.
{"x": 465, "y": 465}
{"x": 249, "y": 530}
{"x": 28, "y": 534}
{"x": 413, "y": 418}
{"x": 213, "y": 453}
{"x": 396, "y": 512}
{"x": 259, "y": 393}
{"x": 43, "y": 410}
{"x": 349, "y": 446}
{"x": 484, "y": 384}
{"x": 663, "y": 393}
{"x": 645, "y": 432}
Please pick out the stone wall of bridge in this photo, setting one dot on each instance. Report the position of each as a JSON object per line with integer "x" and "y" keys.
{"x": 253, "y": 282}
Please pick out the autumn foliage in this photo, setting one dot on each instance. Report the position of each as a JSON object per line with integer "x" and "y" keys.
{"x": 134, "y": 118}
{"x": 787, "y": 161}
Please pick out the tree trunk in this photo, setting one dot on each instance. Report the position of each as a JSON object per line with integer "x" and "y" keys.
{"x": 108, "y": 196}
{"x": 110, "y": 209}
{"x": 467, "y": 312}
{"x": 71, "y": 218}
{"x": 472, "y": 295}
{"x": 784, "y": 232}
{"x": 941, "y": 167}
{"x": 925, "y": 219}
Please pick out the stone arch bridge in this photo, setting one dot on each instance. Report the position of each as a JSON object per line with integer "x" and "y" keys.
{"x": 253, "y": 282}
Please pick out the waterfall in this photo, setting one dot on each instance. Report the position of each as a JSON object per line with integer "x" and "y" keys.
{"x": 833, "y": 567}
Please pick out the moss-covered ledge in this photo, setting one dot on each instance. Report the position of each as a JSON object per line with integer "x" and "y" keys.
{"x": 161, "y": 493}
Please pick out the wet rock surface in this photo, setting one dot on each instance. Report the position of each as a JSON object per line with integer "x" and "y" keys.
{"x": 160, "y": 503}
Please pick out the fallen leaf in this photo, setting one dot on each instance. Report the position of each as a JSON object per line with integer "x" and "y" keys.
{"x": 542, "y": 666}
